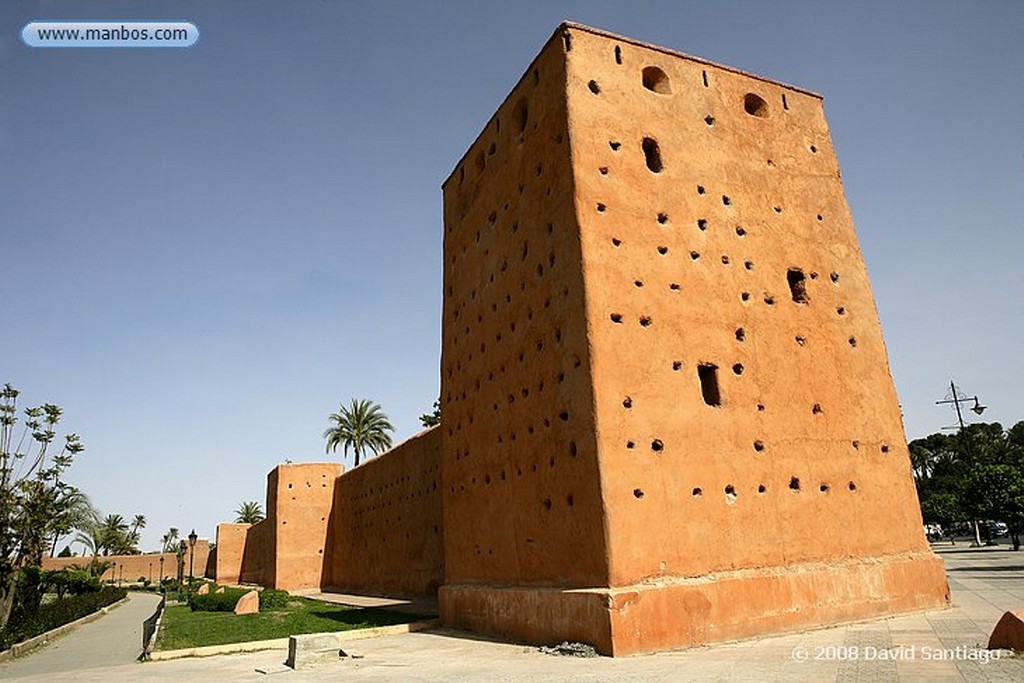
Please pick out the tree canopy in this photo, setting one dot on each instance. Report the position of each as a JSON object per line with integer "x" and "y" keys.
{"x": 361, "y": 426}
{"x": 975, "y": 474}
{"x": 249, "y": 512}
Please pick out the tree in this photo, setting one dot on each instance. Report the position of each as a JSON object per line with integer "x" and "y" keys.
{"x": 975, "y": 474}
{"x": 249, "y": 512}
{"x": 170, "y": 540}
{"x": 32, "y": 495}
{"x": 432, "y": 419}
{"x": 361, "y": 426}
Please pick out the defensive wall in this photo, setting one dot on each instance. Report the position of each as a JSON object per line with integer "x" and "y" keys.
{"x": 375, "y": 529}
{"x": 130, "y": 568}
{"x": 668, "y": 417}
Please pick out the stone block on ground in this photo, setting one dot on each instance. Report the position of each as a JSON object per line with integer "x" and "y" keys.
{"x": 248, "y": 603}
{"x": 1009, "y": 632}
{"x": 219, "y": 590}
{"x": 204, "y": 589}
{"x": 314, "y": 648}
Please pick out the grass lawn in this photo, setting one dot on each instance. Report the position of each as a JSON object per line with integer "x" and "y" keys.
{"x": 183, "y": 628}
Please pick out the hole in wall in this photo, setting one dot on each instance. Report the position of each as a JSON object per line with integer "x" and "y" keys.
{"x": 614, "y": 144}
{"x": 798, "y": 285}
{"x": 594, "y": 87}
{"x": 652, "y": 155}
{"x": 760, "y": 407}
{"x": 677, "y": 365}
{"x": 601, "y": 207}
{"x": 697, "y": 492}
{"x": 702, "y": 224}
{"x": 638, "y": 493}
{"x": 814, "y": 150}
{"x": 674, "y": 286}
{"x": 725, "y": 259}
{"x": 730, "y": 493}
{"x": 755, "y": 105}
{"x": 740, "y": 334}
{"x": 662, "y": 250}
{"x": 738, "y": 368}
{"x": 852, "y": 341}
{"x": 758, "y": 446}
{"x": 769, "y": 299}
{"x": 645, "y": 321}
{"x": 656, "y": 80}
{"x": 740, "y": 231}
{"x": 745, "y": 296}
{"x": 572, "y": 448}
{"x": 885, "y": 448}
{"x": 662, "y": 218}
{"x": 726, "y": 201}
{"x": 618, "y": 55}
{"x": 694, "y": 255}
{"x": 638, "y": 283}
{"x": 816, "y": 409}
{"x": 800, "y": 341}
{"x": 785, "y": 104}
{"x": 704, "y": 77}
{"x": 840, "y": 310}
{"x": 833, "y": 276}
{"x": 823, "y": 488}
{"x": 700, "y": 189}
{"x": 616, "y": 242}
{"x": 630, "y": 445}
{"x": 657, "y": 446}
{"x": 627, "y": 403}
{"x": 761, "y": 488}
{"x": 794, "y": 483}
{"x": 546, "y": 503}
{"x": 567, "y": 41}
{"x": 616, "y": 317}
{"x": 851, "y": 486}
{"x": 709, "y": 119}
{"x": 569, "y": 500}
{"x": 521, "y": 114}
{"x": 603, "y": 170}
{"x": 707, "y": 373}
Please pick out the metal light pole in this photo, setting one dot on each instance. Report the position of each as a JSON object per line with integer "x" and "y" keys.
{"x": 956, "y": 399}
{"x": 191, "y": 555}
{"x": 161, "y": 572}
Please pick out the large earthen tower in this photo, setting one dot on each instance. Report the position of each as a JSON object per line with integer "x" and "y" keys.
{"x": 668, "y": 414}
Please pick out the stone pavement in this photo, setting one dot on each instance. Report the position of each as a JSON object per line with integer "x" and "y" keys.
{"x": 111, "y": 640}
{"x": 984, "y": 583}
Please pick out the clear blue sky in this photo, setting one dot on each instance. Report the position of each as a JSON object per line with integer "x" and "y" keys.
{"x": 203, "y": 251}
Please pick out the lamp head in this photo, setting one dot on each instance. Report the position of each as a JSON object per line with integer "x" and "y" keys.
{"x": 978, "y": 409}
{"x": 192, "y": 538}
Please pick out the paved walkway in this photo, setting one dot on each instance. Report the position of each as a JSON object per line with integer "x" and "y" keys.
{"x": 984, "y": 583}
{"x": 111, "y": 640}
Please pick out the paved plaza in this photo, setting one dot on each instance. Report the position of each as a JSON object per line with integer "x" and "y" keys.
{"x": 945, "y": 646}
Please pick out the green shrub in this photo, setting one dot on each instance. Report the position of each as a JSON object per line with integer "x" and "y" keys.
{"x": 24, "y": 625}
{"x": 216, "y": 602}
{"x": 271, "y": 598}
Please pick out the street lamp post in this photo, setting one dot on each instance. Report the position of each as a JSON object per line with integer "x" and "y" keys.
{"x": 181, "y": 561}
{"x": 162, "y": 572}
{"x": 191, "y": 555}
{"x": 956, "y": 398}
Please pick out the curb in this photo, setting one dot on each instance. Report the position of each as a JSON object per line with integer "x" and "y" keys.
{"x": 257, "y": 645}
{"x": 20, "y": 648}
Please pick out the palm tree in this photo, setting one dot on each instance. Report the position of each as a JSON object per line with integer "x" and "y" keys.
{"x": 249, "y": 512}
{"x": 362, "y": 425}
{"x": 170, "y": 539}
